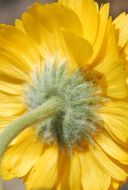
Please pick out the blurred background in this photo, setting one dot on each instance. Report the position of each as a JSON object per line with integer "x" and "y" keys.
{"x": 12, "y": 9}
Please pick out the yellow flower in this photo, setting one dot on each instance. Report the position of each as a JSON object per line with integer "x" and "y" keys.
{"x": 67, "y": 49}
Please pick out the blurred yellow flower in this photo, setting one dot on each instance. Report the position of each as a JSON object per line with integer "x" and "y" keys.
{"x": 70, "y": 49}
{"x": 121, "y": 25}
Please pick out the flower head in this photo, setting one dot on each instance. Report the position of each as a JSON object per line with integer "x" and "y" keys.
{"x": 67, "y": 50}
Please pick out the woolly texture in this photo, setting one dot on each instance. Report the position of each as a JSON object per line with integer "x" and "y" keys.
{"x": 77, "y": 119}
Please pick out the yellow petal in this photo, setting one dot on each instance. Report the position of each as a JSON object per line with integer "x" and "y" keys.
{"x": 121, "y": 26}
{"x": 18, "y": 43}
{"x": 9, "y": 110}
{"x": 20, "y": 157}
{"x": 111, "y": 48}
{"x": 75, "y": 172}
{"x": 112, "y": 68}
{"x": 88, "y": 14}
{"x": 111, "y": 72}
{"x": 17, "y": 52}
{"x": 44, "y": 173}
{"x": 93, "y": 177}
{"x": 13, "y": 66}
{"x": 19, "y": 25}
{"x": 111, "y": 148}
{"x": 79, "y": 49}
{"x": 9, "y": 88}
{"x": 63, "y": 180}
{"x": 70, "y": 172}
{"x": 103, "y": 25}
{"x": 115, "y": 185}
{"x": 41, "y": 23}
{"x": 124, "y": 55}
{"x": 115, "y": 117}
{"x": 106, "y": 164}
{"x": 7, "y": 98}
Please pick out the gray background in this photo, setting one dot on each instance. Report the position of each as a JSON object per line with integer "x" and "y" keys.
{"x": 12, "y": 9}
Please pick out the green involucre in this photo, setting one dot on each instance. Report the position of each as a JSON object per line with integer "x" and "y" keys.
{"x": 77, "y": 119}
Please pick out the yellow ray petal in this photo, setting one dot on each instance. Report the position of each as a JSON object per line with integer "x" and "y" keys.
{"x": 111, "y": 49}
{"x": 44, "y": 173}
{"x": 121, "y": 26}
{"x": 9, "y": 110}
{"x": 111, "y": 72}
{"x": 10, "y": 67}
{"x": 112, "y": 68}
{"x": 60, "y": 15}
{"x": 70, "y": 178}
{"x": 79, "y": 49}
{"x": 118, "y": 89}
{"x": 75, "y": 172}
{"x": 111, "y": 148}
{"x": 103, "y": 25}
{"x": 124, "y": 55}
{"x": 93, "y": 177}
{"x": 19, "y": 25}
{"x": 17, "y": 52}
{"x": 20, "y": 157}
{"x": 63, "y": 180}
{"x": 41, "y": 23}
{"x": 115, "y": 117}
{"x": 115, "y": 185}
{"x": 106, "y": 164}
{"x": 111, "y": 53}
{"x": 88, "y": 14}
{"x": 6, "y": 98}
{"x": 11, "y": 89}
{"x": 10, "y": 105}
{"x": 18, "y": 43}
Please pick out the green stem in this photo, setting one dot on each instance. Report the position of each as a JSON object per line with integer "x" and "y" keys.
{"x": 45, "y": 111}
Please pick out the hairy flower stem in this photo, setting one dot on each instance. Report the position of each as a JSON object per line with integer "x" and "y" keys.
{"x": 43, "y": 112}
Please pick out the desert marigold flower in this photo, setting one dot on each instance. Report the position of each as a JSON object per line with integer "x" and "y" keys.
{"x": 69, "y": 51}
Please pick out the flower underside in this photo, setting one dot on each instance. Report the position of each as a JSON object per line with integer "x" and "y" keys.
{"x": 77, "y": 119}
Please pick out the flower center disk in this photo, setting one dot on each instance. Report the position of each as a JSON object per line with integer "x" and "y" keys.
{"x": 77, "y": 119}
